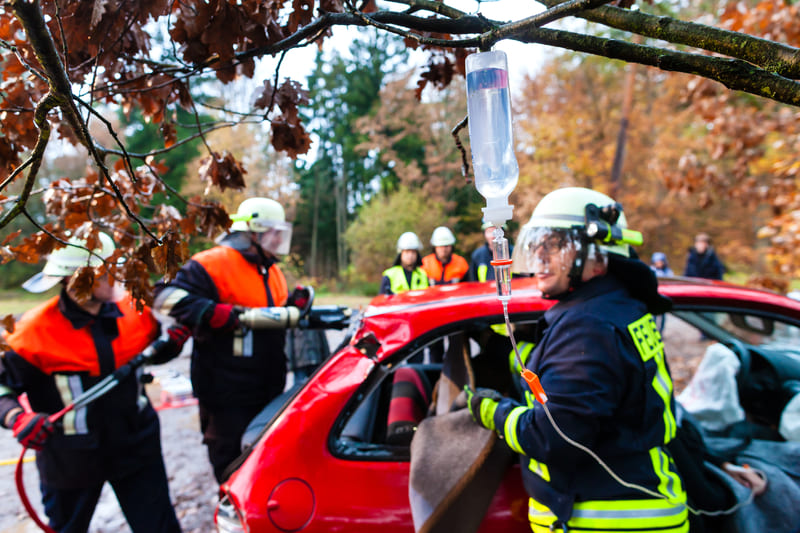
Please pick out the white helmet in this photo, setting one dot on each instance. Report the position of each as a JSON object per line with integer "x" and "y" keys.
{"x": 578, "y": 213}
{"x": 65, "y": 261}
{"x": 263, "y": 215}
{"x": 408, "y": 241}
{"x": 442, "y": 236}
{"x": 257, "y": 215}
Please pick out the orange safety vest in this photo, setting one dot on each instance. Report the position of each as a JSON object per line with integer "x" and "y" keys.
{"x": 455, "y": 270}
{"x": 45, "y": 338}
{"x": 239, "y": 281}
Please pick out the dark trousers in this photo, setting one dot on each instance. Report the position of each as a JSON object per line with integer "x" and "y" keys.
{"x": 222, "y": 429}
{"x": 142, "y": 495}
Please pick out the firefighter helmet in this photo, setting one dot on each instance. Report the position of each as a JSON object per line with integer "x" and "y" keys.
{"x": 567, "y": 211}
{"x": 408, "y": 241}
{"x": 65, "y": 261}
{"x": 442, "y": 236}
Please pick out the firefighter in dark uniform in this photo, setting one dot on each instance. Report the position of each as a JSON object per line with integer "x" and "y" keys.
{"x": 601, "y": 363}
{"x": 480, "y": 267}
{"x": 406, "y": 273}
{"x": 235, "y": 371}
{"x": 59, "y": 350}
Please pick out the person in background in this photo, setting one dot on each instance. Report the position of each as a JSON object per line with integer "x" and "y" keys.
{"x": 235, "y": 371}
{"x": 702, "y": 261}
{"x": 659, "y": 264}
{"x": 601, "y": 363}
{"x": 443, "y": 266}
{"x": 59, "y": 350}
{"x": 480, "y": 268}
{"x": 406, "y": 272}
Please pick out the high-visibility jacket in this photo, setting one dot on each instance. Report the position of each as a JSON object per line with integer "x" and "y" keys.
{"x": 229, "y": 368}
{"x": 399, "y": 283}
{"x": 58, "y": 351}
{"x": 438, "y": 274}
{"x": 601, "y": 363}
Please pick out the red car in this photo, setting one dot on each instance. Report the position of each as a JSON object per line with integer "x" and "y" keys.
{"x": 323, "y": 461}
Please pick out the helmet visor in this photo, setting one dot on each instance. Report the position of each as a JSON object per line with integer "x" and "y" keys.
{"x": 276, "y": 237}
{"x": 536, "y": 246}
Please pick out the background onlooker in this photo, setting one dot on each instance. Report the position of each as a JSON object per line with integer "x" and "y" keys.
{"x": 702, "y": 261}
{"x": 659, "y": 264}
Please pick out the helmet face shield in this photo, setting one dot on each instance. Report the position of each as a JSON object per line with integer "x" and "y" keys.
{"x": 537, "y": 246}
{"x": 276, "y": 237}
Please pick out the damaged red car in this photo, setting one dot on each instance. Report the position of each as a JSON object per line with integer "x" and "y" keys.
{"x": 333, "y": 454}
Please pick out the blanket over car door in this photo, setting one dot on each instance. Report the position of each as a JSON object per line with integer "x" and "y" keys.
{"x": 456, "y": 465}
{"x": 778, "y": 509}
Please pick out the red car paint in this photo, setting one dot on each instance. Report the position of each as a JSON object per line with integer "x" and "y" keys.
{"x": 293, "y": 481}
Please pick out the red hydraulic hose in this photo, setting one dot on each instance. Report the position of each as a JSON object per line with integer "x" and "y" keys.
{"x": 24, "y": 496}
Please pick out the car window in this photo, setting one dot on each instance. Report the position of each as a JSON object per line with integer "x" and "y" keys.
{"x": 688, "y": 334}
{"x": 380, "y": 420}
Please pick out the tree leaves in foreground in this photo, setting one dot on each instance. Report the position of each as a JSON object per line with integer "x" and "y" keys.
{"x": 68, "y": 65}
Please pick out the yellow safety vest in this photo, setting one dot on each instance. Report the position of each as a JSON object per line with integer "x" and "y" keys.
{"x": 397, "y": 278}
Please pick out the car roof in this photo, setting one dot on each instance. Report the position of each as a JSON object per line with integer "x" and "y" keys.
{"x": 397, "y": 319}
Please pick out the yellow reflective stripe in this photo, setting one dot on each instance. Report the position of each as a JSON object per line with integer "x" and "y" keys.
{"x": 500, "y": 329}
{"x": 510, "y": 429}
{"x": 669, "y": 483}
{"x": 649, "y": 344}
{"x": 168, "y": 299}
{"x": 540, "y": 469}
{"x": 615, "y": 515}
{"x": 65, "y": 391}
{"x": 525, "y": 349}
{"x": 6, "y": 391}
{"x": 483, "y": 272}
{"x": 487, "y": 410}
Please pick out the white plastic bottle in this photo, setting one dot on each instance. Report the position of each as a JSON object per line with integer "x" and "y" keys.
{"x": 489, "y": 108}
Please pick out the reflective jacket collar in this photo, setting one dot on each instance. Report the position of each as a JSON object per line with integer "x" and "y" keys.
{"x": 593, "y": 288}
{"x": 79, "y": 317}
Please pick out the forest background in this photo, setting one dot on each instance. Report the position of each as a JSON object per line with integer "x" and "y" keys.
{"x": 695, "y": 156}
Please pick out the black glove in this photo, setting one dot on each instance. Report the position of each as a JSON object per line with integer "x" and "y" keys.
{"x": 32, "y": 429}
{"x": 301, "y": 297}
{"x": 163, "y": 350}
{"x": 223, "y": 317}
{"x": 482, "y": 405}
{"x": 327, "y": 317}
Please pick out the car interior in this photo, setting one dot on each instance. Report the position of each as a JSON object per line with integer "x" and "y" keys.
{"x": 380, "y": 420}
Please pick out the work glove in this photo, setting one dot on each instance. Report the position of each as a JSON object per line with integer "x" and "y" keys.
{"x": 482, "y": 404}
{"x": 301, "y": 298}
{"x": 32, "y": 429}
{"x": 167, "y": 349}
{"x": 223, "y": 317}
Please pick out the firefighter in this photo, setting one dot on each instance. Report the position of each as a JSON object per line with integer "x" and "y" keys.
{"x": 235, "y": 371}
{"x": 406, "y": 272}
{"x": 480, "y": 268}
{"x": 601, "y": 363}
{"x": 443, "y": 266}
{"x": 60, "y": 349}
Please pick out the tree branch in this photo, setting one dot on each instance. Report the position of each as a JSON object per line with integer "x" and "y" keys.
{"x": 771, "y": 56}
{"x": 30, "y": 16}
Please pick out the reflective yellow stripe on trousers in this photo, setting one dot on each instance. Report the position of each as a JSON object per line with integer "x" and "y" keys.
{"x": 614, "y": 516}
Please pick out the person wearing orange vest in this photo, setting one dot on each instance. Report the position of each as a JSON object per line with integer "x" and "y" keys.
{"x": 60, "y": 349}
{"x": 236, "y": 371}
{"x": 443, "y": 266}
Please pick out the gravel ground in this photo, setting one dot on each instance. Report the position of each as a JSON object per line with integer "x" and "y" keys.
{"x": 192, "y": 485}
